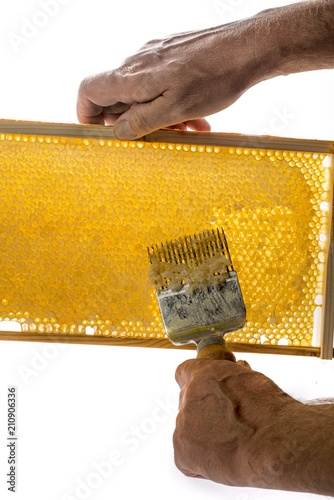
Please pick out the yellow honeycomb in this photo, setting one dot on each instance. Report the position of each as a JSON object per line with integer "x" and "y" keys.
{"x": 78, "y": 214}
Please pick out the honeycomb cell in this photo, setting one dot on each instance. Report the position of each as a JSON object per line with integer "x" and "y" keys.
{"x": 78, "y": 215}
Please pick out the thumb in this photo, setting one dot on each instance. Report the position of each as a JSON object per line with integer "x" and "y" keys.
{"x": 142, "y": 119}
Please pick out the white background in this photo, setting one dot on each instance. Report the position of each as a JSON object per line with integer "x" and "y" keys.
{"x": 79, "y": 405}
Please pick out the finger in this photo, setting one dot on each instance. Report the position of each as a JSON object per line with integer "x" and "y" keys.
{"x": 94, "y": 94}
{"x": 243, "y": 362}
{"x": 113, "y": 89}
{"x": 149, "y": 116}
{"x": 88, "y": 112}
{"x": 179, "y": 455}
{"x": 109, "y": 118}
{"x": 105, "y": 98}
{"x": 185, "y": 370}
{"x": 143, "y": 119}
{"x": 200, "y": 125}
{"x": 178, "y": 126}
{"x": 91, "y": 112}
{"x": 112, "y": 113}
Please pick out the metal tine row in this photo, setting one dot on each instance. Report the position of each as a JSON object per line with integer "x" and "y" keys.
{"x": 180, "y": 251}
{"x": 207, "y": 244}
{"x": 203, "y": 244}
{"x": 225, "y": 250}
{"x": 159, "y": 253}
{"x": 196, "y": 249}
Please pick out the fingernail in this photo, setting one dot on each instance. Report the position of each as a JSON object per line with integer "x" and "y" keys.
{"x": 123, "y": 131}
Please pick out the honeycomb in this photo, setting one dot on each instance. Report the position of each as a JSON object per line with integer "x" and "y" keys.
{"x": 78, "y": 214}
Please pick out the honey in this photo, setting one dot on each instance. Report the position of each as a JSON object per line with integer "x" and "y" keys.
{"x": 78, "y": 214}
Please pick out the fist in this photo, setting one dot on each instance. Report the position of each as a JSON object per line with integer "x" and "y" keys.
{"x": 228, "y": 421}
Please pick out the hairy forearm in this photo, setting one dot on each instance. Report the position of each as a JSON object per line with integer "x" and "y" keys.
{"x": 299, "y": 37}
{"x": 298, "y": 455}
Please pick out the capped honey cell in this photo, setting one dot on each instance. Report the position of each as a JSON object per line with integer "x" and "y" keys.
{"x": 77, "y": 215}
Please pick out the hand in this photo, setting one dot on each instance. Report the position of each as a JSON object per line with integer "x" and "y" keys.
{"x": 177, "y": 81}
{"x": 231, "y": 424}
{"x": 172, "y": 82}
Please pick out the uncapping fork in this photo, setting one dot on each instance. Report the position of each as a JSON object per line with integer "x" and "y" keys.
{"x": 198, "y": 292}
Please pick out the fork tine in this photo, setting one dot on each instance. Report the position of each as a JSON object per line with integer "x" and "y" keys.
{"x": 193, "y": 249}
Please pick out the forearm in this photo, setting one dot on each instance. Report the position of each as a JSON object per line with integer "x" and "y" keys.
{"x": 298, "y": 455}
{"x": 299, "y": 37}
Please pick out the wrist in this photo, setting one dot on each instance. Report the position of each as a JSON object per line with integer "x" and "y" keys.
{"x": 282, "y": 41}
{"x": 255, "y": 56}
{"x": 298, "y": 37}
{"x": 295, "y": 452}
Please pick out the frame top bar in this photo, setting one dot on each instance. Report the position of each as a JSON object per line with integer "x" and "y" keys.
{"x": 168, "y": 136}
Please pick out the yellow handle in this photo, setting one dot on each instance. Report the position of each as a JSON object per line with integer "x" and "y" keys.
{"x": 216, "y": 351}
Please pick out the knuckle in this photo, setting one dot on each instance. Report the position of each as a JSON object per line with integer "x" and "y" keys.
{"x": 84, "y": 84}
{"x": 139, "y": 82}
{"x": 179, "y": 374}
{"x": 130, "y": 66}
{"x": 192, "y": 390}
{"x": 97, "y": 87}
{"x": 151, "y": 43}
{"x": 126, "y": 65}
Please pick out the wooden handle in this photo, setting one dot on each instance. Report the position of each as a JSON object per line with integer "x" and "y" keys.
{"x": 216, "y": 351}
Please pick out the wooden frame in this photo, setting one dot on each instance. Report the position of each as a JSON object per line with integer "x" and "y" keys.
{"x": 326, "y": 350}
{"x": 161, "y": 343}
{"x": 169, "y": 136}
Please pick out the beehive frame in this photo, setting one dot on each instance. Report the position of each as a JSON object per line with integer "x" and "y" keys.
{"x": 69, "y": 145}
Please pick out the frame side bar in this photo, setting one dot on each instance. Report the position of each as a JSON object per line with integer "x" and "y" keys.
{"x": 328, "y": 330}
{"x": 327, "y": 335}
